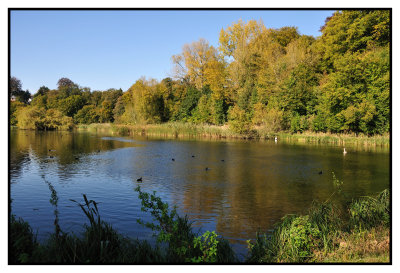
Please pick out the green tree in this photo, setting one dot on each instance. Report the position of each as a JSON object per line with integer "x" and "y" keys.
{"x": 71, "y": 105}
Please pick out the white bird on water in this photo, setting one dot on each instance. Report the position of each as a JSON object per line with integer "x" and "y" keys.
{"x": 276, "y": 139}
{"x": 344, "y": 151}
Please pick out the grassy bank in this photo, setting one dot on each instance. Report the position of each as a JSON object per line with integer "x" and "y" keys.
{"x": 360, "y": 234}
{"x": 185, "y": 130}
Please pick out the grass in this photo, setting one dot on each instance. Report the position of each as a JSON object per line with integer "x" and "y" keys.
{"x": 185, "y": 130}
{"x": 326, "y": 234}
{"x": 365, "y": 246}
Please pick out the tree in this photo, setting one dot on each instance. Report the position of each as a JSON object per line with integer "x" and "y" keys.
{"x": 65, "y": 82}
{"x": 197, "y": 61}
{"x": 15, "y": 86}
{"x": 71, "y": 105}
{"x": 353, "y": 31}
{"x": 43, "y": 90}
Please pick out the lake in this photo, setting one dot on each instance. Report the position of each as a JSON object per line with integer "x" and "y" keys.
{"x": 249, "y": 185}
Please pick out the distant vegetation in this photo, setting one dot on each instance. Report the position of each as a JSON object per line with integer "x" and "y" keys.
{"x": 360, "y": 233}
{"x": 276, "y": 80}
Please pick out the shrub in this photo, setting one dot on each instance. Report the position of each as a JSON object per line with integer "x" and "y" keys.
{"x": 293, "y": 240}
{"x": 182, "y": 244}
{"x": 300, "y": 236}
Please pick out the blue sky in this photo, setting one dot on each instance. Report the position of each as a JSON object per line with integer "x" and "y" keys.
{"x": 112, "y": 49}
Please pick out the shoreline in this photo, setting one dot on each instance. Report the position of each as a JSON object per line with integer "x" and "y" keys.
{"x": 184, "y": 130}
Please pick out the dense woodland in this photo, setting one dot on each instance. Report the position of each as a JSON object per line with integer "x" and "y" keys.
{"x": 257, "y": 77}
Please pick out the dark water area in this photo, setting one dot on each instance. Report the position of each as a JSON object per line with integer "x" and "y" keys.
{"x": 248, "y": 187}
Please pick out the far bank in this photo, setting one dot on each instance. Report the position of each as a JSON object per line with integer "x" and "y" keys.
{"x": 185, "y": 130}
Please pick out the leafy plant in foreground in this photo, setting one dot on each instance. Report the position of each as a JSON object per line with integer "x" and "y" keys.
{"x": 170, "y": 228}
{"x": 182, "y": 244}
{"x": 208, "y": 245}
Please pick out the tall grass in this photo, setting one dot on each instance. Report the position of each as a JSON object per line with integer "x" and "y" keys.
{"x": 339, "y": 139}
{"x": 368, "y": 212}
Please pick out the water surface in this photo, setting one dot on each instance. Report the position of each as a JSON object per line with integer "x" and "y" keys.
{"x": 248, "y": 187}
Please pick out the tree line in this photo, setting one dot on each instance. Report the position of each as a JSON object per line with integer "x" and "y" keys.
{"x": 257, "y": 77}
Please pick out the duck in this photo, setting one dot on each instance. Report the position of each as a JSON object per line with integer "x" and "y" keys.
{"x": 320, "y": 172}
{"x": 206, "y": 168}
{"x": 139, "y": 179}
{"x": 222, "y": 160}
{"x": 192, "y": 155}
{"x": 173, "y": 159}
{"x": 344, "y": 151}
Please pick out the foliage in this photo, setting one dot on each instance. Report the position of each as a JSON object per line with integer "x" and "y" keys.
{"x": 88, "y": 114}
{"x": 297, "y": 238}
{"x": 171, "y": 228}
{"x": 238, "y": 120}
{"x": 14, "y": 106}
{"x": 33, "y": 118}
{"x": 28, "y": 117}
{"x": 22, "y": 241}
{"x": 182, "y": 244}
{"x": 208, "y": 245}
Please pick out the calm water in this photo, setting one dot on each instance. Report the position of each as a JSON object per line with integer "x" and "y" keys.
{"x": 256, "y": 184}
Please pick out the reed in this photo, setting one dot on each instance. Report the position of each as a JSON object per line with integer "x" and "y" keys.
{"x": 339, "y": 139}
{"x": 190, "y": 130}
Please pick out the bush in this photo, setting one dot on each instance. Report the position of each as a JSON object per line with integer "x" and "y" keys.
{"x": 299, "y": 236}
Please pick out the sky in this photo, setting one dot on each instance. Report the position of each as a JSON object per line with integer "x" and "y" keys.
{"x": 104, "y": 49}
